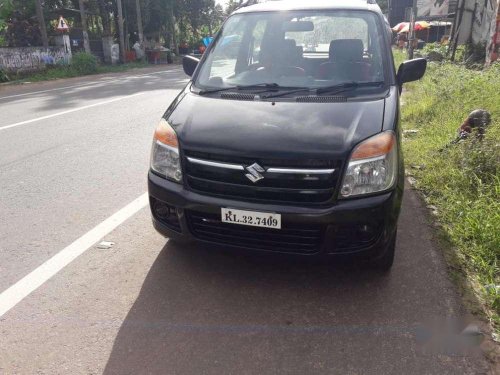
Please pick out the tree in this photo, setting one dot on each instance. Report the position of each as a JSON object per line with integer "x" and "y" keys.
{"x": 105, "y": 10}
{"x": 213, "y": 17}
{"x": 83, "y": 16}
{"x": 232, "y": 6}
{"x": 41, "y": 23}
{"x": 384, "y": 5}
{"x": 20, "y": 25}
{"x": 6, "y": 8}
{"x": 120, "y": 30}
{"x": 139, "y": 22}
{"x": 172, "y": 21}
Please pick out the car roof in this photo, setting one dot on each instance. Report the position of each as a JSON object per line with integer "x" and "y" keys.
{"x": 286, "y": 5}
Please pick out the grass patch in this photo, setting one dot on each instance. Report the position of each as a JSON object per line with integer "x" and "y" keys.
{"x": 399, "y": 57}
{"x": 462, "y": 181}
{"x": 67, "y": 71}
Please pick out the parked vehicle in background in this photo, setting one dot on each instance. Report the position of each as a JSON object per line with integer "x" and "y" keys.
{"x": 287, "y": 137}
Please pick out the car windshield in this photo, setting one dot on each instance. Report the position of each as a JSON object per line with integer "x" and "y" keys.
{"x": 295, "y": 49}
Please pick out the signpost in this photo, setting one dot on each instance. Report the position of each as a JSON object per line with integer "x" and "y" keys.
{"x": 63, "y": 39}
{"x": 62, "y": 25}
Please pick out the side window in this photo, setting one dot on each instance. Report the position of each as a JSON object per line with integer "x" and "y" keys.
{"x": 223, "y": 60}
{"x": 257, "y": 36}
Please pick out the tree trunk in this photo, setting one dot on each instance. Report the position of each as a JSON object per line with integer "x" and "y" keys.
{"x": 120, "y": 30}
{"x": 41, "y": 23}
{"x": 83, "y": 16}
{"x": 139, "y": 22}
{"x": 106, "y": 22}
{"x": 194, "y": 26}
{"x": 175, "y": 45}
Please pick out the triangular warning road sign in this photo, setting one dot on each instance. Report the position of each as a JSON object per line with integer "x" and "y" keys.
{"x": 62, "y": 25}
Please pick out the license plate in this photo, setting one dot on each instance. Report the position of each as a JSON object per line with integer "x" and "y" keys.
{"x": 252, "y": 218}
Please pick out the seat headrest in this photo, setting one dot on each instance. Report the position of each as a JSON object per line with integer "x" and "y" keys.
{"x": 290, "y": 43}
{"x": 346, "y": 50}
{"x": 300, "y": 51}
{"x": 287, "y": 51}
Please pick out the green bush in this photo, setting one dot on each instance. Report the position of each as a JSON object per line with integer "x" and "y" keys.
{"x": 3, "y": 76}
{"x": 442, "y": 49}
{"x": 84, "y": 63}
{"x": 435, "y": 47}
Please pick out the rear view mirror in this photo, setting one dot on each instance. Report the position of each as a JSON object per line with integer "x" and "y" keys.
{"x": 189, "y": 64}
{"x": 298, "y": 26}
{"x": 411, "y": 70}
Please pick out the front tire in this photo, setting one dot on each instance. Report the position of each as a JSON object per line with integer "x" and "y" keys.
{"x": 384, "y": 263}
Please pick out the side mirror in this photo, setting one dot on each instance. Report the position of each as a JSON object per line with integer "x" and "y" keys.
{"x": 411, "y": 70}
{"x": 189, "y": 64}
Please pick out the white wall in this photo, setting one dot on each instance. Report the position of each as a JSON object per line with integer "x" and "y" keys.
{"x": 32, "y": 58}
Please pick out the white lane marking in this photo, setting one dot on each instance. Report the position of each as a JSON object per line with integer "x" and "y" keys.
{"x": 28, "y": 284}
{"x": 68, "y": 111}
{"x": 102, "y": 80}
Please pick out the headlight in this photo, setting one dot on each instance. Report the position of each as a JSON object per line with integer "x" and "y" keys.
{"x": 372, "y": 167}
{"x": 165, "y": 152}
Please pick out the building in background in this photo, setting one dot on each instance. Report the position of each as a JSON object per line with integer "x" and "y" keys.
{"x": 428, "y": 10}
{"x": 397, "y": 11}
{"x": 433, "y": 8}
{"x": 476, "y": 25}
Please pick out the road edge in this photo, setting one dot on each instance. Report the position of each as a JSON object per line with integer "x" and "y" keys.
{"x": 458, "y": 277}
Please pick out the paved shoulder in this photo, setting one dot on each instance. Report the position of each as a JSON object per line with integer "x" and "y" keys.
{"x": 31, "y": 88}
{"x": 146, "y": 306}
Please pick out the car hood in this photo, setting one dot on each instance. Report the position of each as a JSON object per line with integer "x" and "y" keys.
{"x": 280, "y": 129}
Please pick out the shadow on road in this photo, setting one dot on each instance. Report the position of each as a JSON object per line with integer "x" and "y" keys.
{"x": 104, "y": 89}
{"x": 197, "y": 301}
{"x": 202, "y": 311}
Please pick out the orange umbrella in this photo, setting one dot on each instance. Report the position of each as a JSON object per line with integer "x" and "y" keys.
{"x": 399, "y": 26}
{"x": 419, "y": 25}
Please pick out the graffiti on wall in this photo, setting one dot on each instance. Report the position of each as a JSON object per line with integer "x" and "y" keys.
{"x": 32, "y": 58}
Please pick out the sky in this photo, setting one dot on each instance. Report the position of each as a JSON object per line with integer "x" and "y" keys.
{"x": 222, "y": 2}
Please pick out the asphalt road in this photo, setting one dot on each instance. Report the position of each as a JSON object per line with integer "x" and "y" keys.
{"x": 74, "y": 153}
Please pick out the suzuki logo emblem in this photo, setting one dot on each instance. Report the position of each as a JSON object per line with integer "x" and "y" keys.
{"x": 254, "y": 172}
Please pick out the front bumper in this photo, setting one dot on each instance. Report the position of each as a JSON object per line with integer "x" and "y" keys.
{"x": 362, "y": 226}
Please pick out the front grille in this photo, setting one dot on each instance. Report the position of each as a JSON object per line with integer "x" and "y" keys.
{"x": 293, "y": 188}
{"x": 292, "y": 238}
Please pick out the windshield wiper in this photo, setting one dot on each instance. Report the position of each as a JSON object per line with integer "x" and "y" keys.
{"x": 288, "y": 92}
{"x": 335, "y": 89}
{"x": 268, "y": 86}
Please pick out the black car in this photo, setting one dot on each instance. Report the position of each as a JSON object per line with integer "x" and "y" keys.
{"x": 287, "y": 138}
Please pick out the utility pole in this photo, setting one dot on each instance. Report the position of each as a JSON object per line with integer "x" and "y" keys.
{"x": 411, "y": 38}
{"x": 83, "y": 16}
{"x": 41, "y": 22}
{"x": 120, "y": 30}
{"x": 139, "y": 22}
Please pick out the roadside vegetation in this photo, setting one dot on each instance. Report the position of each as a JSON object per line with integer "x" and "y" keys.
{"x": 81, "y": 64}
{"x": 461, "y": 181}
